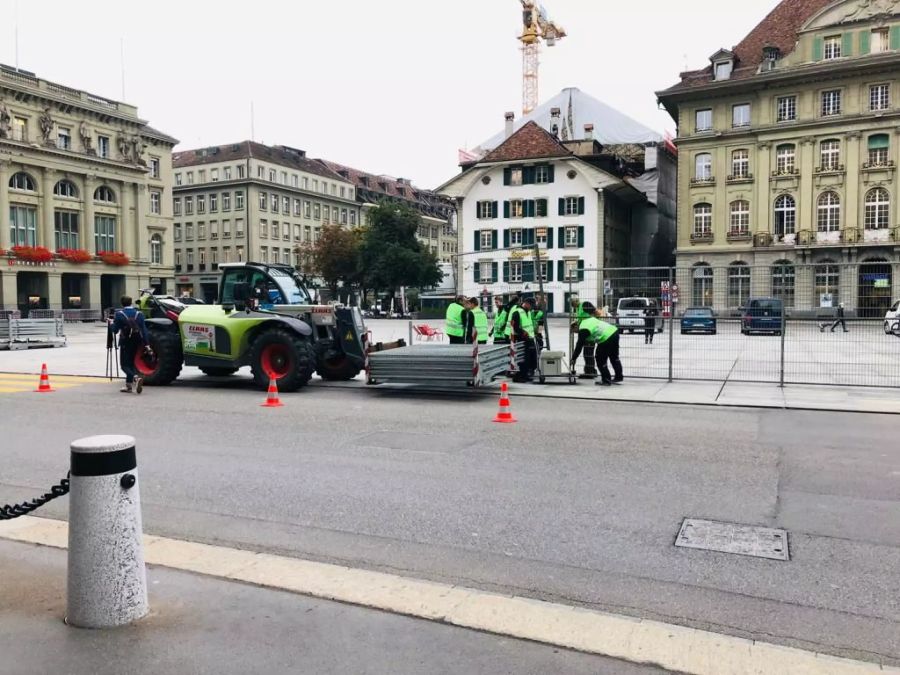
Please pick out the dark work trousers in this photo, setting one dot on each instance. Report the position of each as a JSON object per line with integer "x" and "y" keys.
{"x": 649, "y": 329}
{"x": 840, "y": 322}
{"x": 128, "y": 350}
{"x": 590, "y": 362}
{"x": 457, "y": 340}
{"x": 609, "y": 351}
{"x": 539, "y": 339}
{"x": 528, "y": 366}
{"x": 502, "y": 340}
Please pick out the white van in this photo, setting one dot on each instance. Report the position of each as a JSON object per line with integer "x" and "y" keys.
{"x": 631, "y": 313}
{"x": 892, "y": 320}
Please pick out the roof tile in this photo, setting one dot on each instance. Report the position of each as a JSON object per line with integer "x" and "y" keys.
{"x": 529, "y": 142}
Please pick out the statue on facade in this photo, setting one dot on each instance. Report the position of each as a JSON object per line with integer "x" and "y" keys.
{"x": 869, "y": 8}
{"x": 5, "y": 121}
{"x": 138, "y": 150}
{"x": 124, "y": 147}
{"x": 46, "y": 124}
{"x": 85, "y": 135}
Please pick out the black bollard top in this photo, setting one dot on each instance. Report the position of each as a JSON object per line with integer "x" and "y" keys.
{"x": 103, "y": 456}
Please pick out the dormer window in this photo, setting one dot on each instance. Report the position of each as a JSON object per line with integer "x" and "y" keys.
{"x": 723, "y": 64}
{"x": 723, "y": 70}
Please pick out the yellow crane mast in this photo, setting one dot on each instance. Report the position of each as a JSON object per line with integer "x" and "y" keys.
{"x": 537, "y": 28}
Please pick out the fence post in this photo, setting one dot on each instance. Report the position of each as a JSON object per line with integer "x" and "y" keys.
{"x": 672, "y": 306}
{"x": 107, "y": 581}
{"x": 410, "y": 332}
{"x": 783, "y": 332}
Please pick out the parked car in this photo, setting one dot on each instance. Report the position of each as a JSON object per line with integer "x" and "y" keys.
{"x": 631, "y": 313}
{"x": 892, "y": 320}
{"x": 698, "y": 320}
{"x": 762, "y": 315}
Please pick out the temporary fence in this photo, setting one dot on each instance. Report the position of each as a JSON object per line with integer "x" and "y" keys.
{"x": 27, "y": 333}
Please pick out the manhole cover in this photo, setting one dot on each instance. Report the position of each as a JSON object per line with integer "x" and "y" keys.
{"x": 710, "y": 535}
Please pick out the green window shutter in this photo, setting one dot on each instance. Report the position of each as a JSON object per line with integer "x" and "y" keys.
{"x": 549, "y": 237}
{"x": 549, "y": 274}
{"x": 506, "y": 209}
{"x": 895, "y": 37}
{"x": 494, "y": 239}
{"x": 878, "y": 141}
{"x": 529, "y": 208}
{"x": 847, "y": 44}
{"x": 863, "y": 42}
{"x": 505, "y": 238}
{"x": 528, "y": 175}
{"x": 506, "y": 270}
{"x": 507, "y": 176}
{"x": 541, "y": 208}
{"x": 494, "y": 279}
{"x": 477, "y": 240}
{"x": 528, "y": 237}
{"x": 562, "y": 237}
{"x": 552, "y": 171}
{"x": 581, "y": 270}
{"x": 477, "y": 273}
{"x": 561, "y": 270}
{"x": 581, "y": 206}
{"x": 562, "y": 206}
{"x": 818, "y": 47}
{"x": 581, "y": 237}
{"x": 493, "y": 209}
{"x": 528, "y": 271}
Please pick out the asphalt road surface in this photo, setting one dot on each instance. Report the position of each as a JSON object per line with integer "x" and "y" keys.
{"x": 579, "y": 502}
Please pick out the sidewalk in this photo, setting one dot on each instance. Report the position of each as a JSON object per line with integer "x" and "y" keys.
{"x": 201, "y": 625}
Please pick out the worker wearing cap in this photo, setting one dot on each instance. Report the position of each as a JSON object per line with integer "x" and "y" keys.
{"x": 603, "y": 338}
{"x": 479, "y": 323}
{"x": 584, "y": 310}
{"x": 521, "y": 329}
{"x": 453, "y": 324}
{"x": 500, "y": 321}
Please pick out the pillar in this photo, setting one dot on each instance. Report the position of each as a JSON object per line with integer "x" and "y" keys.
{"x": 806, "y": 212}
{"x": 46, "y": 227}
{"x": 763, "y": 200}
{"x": 54, "y": 290}
{"x": 852, "y": 196}
{"x": 804, "y": 288}
{"x": 127, "y": 209}
{"x": 10, "y": 297}
{"x": 93, "y": 299}
{"x": 4, "y": 205}
{"x": 87, "y": 227}
{"x": 142, "y": 236}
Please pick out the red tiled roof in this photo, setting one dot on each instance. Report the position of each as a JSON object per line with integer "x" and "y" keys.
{"x": 779, "y": 29}
{"x": 371, "y": 187}
{"x": 529, "y": 142}
{"x": 280, "y": 155}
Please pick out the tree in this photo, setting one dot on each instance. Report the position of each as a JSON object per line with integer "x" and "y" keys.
{"x": 390, "y": 254}
{"x": 334, "y": 257}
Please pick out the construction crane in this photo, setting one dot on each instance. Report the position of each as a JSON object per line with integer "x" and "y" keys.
{"x": 537, "y": 27}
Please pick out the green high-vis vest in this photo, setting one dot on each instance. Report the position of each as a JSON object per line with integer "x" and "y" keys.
{"x": 500, "y": 321}
{"x": 453, "y": 320}
{"x": 600, "y": 330}
{"x": 524, "y": 320}
{"x": 481, "y": 324}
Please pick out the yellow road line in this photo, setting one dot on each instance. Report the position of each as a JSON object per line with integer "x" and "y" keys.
{"x": 53, "y": 378}
{"x": 673, "y": 647}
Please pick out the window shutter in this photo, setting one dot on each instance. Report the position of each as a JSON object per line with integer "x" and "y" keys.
{"x": 528, "y": 271}
{"x": 847, "y": 44}
{"x": 817, "y": 49}
{"x": 494, "y": 273}
{"x": 507, "y": 176}
{"x": 505, "y": 270}
{"x": 863, "y": 42}
{"x": 581, "y": 270}
{"x": 493, "y": 209}
{"x": 895, "y": 37}
{"x": 541, "y": 208}
{"x": 561, "y": 270}
{"x": 494, "y": 239}
{"x": 528, "y": 175}
{"x": 549, "y": 274}
{"x": 529, "y": 208}
{"x": 505, "y": 238}
{"x": 562, "y": 206}
{"x": 551, "y": 173}
{"x": 506, "y": 209}
{"x": 580, "y": 237}
{"x": 477, "y": 273}
{"x": 562, "y": 237}
{"x": 581, "y": 206}
{"x": 477, "y": 240}
{"x": 549, "y": 237}
{"x": 528, "y": 237}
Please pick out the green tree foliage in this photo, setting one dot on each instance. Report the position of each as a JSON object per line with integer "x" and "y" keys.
{"x": 334, "y": 258}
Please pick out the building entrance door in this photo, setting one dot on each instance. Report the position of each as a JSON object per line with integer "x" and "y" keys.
{"x": 875, "y": 289}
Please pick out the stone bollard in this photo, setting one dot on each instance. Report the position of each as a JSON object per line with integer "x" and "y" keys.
{"x": 107, "y": 581}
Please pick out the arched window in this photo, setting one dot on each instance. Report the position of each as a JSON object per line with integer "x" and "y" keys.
{"x": 65, "y": 188}
{"x": 879, "y": 150}
{"x": 783, "y": 278}
{"x": 785, "y": 159}
{"x": 878, "y": 208}
{"x": 702, "y": 220}
{"x": 738, "y": 284}
{"x": 785, "y": 216}
{"x": 702, "y": 286}
{"x": 740, "y": 164}
{"x": 22, "y": 181}
{"x": 828, "y": 280}
{"x": 830, "y": 155}
{"x": 829, "y": 212}
{"x": 740, "y": 217}
{"x": 105, "y": 194}
{"x": 156, "y": 250}
{"x": 703, "y": 166}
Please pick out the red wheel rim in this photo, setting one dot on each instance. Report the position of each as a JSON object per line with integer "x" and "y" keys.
{"x": 146, "y": 365}
{"x": 276, "y": 361}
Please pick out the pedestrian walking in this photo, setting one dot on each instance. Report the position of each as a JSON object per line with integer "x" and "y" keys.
{"x": 453, "y": 324}
{"x": 649, "y": 324}
{"x": 479, "y": 321}
{"x": 500, "y": 319}
{"x": 602, "y": 338}
{"x": 840, "y": 319}
{"x": 128, "y": 324}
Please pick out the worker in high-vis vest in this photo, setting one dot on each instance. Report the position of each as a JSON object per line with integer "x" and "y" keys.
{"x": 453, "y": 324}
{"x": 479, "y": 328}
{"x": 501, "y": 316}
{"x": 585, "y": 310}
{"x": 602, "y": 338}
{"x": 538, "y": 318}
{"x": 521, "y": 328}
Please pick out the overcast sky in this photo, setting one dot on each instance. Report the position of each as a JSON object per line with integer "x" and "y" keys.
{"x": 387, "y": 86}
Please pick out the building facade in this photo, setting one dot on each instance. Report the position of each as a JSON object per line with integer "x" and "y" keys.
{"x": 85, "y": 198}
{"x": 537, "y": 212}
{"x": 788, "y": 150}
{"x": 436, "y": 233}
{"x": 249, "y": 201}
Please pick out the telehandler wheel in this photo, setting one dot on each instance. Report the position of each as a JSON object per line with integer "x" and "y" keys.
{"x": 283, "y": 355}
{"x": 164, "y": 366}
{"x": 336, "y": 367}
{"x": 219, "y": 371}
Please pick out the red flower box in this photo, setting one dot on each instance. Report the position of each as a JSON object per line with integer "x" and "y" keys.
{"x": 77, "y": 256}
{"x": 38, "y": 254}
{"x": 114, "y": 258}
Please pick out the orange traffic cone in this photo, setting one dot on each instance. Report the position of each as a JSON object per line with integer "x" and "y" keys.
{"x": 504, "y": 416}
{"x": 272, "y": 400}
{"x": 44, "y": 386}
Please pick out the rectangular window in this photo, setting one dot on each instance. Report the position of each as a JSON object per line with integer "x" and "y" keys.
{"x": 264, "y": 201}
{"x": 787, "y": 108}
{"x": 571, "y": 206}
{"x": 571, "y": 237}
{"x": 353, "y": 218}
{"x": 784, "y": 159}
{"x": 295, "y": 180}
{"x": 226, "y": 229}
{"x": 178, "y": 179}
{"x": 487, "y": 240}
{"x": 307, "y": 208}
{"x": 540, "y": 237}
{"x": 315, "y": 185}
{"x": 485, "y": 272}
{"x": 226, "y": 201}
{"x": 20, "y": 129}
{"x": 831, "y": 103}
{"x": 515, "y": 271}
{"x": 343, "y": 216}
{"x": 189, "y": 232}
{"x": 103, "y": 146}
{"x": 190, "y": 177}
{"x": 214, "y": 175}
{"x": 485, "y": 210}
{"x": 176, "y": 206}
{"x": 740, "y": 164}
{"x": 201, "y": 231}
{"x": 201, "y": 203}
{"x": 830, "y": 152}
{"x": 879, "y": 150}
{"x": 190, "y": 260}
{"x": 307, "y": 233}
{"x": 241, "y": 171}
{"x": 723, "y": 70}
{"x": 65, "y": 225}
{"x": 571, "y": 270}
{"x": 515, "y": 177}
{"x": 276, "y": 229}
{"x": 740, "y": 115}
{"x": 286, "y": 205}
{"x": 540, "y": 208}
{"x": 201, "y": 176}
{"x": 516, "y": 209}
{"x": 104, "y": 233}
{"x": 239, "y": 200}
{"x": 542, "y": 174}
{"x": 176, "y": 232}
{"x": 833, "y": 47}
{"x": 317, "y": 211}
{"x": 188, "y": 206}
{"x": 305, "y": 182}
{"x": 297, "y": 233}
{"x": 515, "y": 237}
{"x": 155, "y": 202}
{"x": 703, "y": 120}
{"x": 284, "y": 178}
{"x": 64, "y": 139}
{"x": 326, "y": 215}
{"x": 214, "y": 229}
{"x": 274, "y": 203}
{"x": 703, "y": 166}
{"x": 154, "y": 167}
{"x": 264, "y": 229}
{"x": 879, "y": 97}
{"x": 226, "y": 175}
{"x": 297, "y": 207}
{"x": 273, "y": 176}
{"x": 177, "y": 261}
{"x": 214, "y": 203}
{"x": 239, "y": 253}
{"x": 702, "y": 220}
{"x": 881, "y": 40}
{"x": 214, "y": 257}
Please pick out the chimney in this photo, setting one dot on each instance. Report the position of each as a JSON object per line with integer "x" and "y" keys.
{"x": 554, "y": 121}
{"x": 510, "y": 118}
{"x": 588, "y": 132}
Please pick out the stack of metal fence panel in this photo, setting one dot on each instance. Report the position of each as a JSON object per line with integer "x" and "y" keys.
{"x": 441, "y": 365}
{"x": 27, "y": 333}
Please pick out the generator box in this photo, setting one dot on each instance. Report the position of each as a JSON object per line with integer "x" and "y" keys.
{"x": 552, "y": 362}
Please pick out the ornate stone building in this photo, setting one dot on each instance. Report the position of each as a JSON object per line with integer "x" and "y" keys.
{"x": 788, "y": 150}
{"x": 80, "y": 175}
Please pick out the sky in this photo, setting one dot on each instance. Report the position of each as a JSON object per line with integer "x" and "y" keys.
{"x": 390, "y": 86}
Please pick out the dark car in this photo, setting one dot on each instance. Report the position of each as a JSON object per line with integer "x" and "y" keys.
{"x": 763, "y": 315}
{"x": 698, "y": 320}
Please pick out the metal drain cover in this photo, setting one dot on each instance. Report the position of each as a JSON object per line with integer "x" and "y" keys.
{"x": 711, "y": 535}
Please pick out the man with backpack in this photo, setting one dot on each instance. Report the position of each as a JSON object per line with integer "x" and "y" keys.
{"x": 129, "y": 323}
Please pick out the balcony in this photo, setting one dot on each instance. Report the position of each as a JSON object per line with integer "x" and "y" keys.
{"x": 702, "y": 237}
{"x": 850, "y": 235}
{"x": 739, "y": 178}
{"x": 875, "y": 166}
{"x": 762, "y": 240}
{"x": 738, "y": 235}
{"x": 877, "y": 235}
{"x": 806, "y": 237}
{"x": 700, "y": 182}
{"x": 895, "y": 233}
{"x": 830, "y": 169}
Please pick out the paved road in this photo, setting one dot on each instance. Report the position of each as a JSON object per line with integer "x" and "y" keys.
{"x": 579, "y": 502}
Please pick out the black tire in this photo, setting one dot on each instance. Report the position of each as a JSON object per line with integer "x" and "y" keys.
{"x": 218, "y": 371}
{"x": 281, "y": 354}
{"x": 684, "y": 332}
{"x": 165, "y": 366}
{"x": 336, "y": 367}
